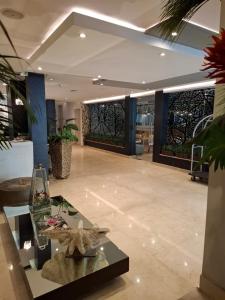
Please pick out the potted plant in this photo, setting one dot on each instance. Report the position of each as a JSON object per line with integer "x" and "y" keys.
{"x": 60, "y": 148}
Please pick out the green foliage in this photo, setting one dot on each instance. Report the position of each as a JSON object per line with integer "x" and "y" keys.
{"x": 182, "y": 150}
{"x": 107, "y": 139}
{"x": 8, "y": 76}
{"x": 213, "y": 139}
{"x": 174, "y": 11}
{"x": 65, "y": 135}
{"x": 70, "y": 127}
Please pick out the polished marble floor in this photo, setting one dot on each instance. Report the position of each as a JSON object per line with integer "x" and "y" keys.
{"x": 155, "y": 213}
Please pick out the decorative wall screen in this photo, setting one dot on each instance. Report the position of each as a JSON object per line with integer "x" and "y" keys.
{"x": 186, "y": 109}
{"x": 106, "y": 122}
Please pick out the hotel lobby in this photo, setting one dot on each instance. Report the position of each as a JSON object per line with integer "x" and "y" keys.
{"x": 112, "y": 143}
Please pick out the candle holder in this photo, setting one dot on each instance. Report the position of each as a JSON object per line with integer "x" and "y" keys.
{"x": 39, "y": 196}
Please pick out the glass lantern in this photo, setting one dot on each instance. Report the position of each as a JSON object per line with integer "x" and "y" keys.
{"x": 39, "y": 196}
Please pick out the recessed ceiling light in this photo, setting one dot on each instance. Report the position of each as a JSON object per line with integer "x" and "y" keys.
{"x": 138, "y": 280}
{"x": 40, "y": 68}
{"x": 82, "y": 35}
{"x": 143, "y": 82}
{"x": 99, "y": 76}
{"x": 163, "y": 54}
{"x": 174, "y": 33}
{"x": 51, "y": 79}
{"x": 27, "y": 245}
{"x": 101, "y": 84}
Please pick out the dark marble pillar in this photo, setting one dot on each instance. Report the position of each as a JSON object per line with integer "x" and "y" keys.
{"x": 35, "y": 86}
{"x": 51, "y": 117}
{"x": 160, "y": 123}
{"x": 130, "y": 124}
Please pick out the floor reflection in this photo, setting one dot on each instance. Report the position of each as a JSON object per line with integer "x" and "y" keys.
{"x": 64, "y": 270}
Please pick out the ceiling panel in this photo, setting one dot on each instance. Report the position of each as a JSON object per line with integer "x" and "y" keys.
{"x": 60, "y": 89}
{"x": 41, "y": 16}
{"x": 198, "y": 39}
{"x": 134, "y": 62}
{"x": 70, "y": 49}
{"x": 109, "y": 55}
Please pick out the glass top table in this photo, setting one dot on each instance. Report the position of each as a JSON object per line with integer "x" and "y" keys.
{"x": 49, "y": 273}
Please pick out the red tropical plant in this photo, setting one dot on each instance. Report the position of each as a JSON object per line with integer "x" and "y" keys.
{"x": 215, "y": 58}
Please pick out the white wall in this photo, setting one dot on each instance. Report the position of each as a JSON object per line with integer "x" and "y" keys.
{"x": 78, "y": 122}
{"x": 64, "y": 111}
{"x": 69, "y": 110}
{"x": 17, "y": 161}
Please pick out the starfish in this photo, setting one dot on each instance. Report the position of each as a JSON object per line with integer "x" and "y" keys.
{"x": 78, "y": 241}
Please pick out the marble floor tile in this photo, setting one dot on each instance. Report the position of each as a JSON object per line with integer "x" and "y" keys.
{"x": 155, "y": 213}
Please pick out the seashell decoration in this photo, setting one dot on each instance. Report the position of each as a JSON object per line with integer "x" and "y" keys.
{"x": 79, "y": 241}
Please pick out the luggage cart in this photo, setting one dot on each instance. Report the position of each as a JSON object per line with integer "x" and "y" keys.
{"x": 199, "y": 171}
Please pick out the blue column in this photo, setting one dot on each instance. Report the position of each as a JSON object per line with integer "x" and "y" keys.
{"x": 51, "y": 117}
{"x": 35, "y": 86}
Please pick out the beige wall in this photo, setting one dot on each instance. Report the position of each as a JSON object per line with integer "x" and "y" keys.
{"x": 213, "y": 272}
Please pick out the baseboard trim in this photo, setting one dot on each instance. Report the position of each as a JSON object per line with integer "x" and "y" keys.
{"x": 195, "y": 294}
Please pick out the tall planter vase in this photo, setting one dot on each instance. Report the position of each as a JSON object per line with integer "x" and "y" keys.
{"x": 61, "y": 159}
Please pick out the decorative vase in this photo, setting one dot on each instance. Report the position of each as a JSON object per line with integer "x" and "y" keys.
{"x": 61, "y": 159}
{"x": 39, "y": 195}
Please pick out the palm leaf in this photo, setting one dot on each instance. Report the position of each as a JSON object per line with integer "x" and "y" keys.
{"x": 71, "y": 126}
{"x": 2, "y": 26}
{"x": 9, "y": 76}
{"x": 174, "y": 12}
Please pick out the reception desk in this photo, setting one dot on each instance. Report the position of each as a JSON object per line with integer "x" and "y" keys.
{"x": 17, "y": 161}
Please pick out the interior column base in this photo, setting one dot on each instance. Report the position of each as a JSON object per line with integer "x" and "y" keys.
{"x": 213, "y": 291}
{"x": 195, "y": 294}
